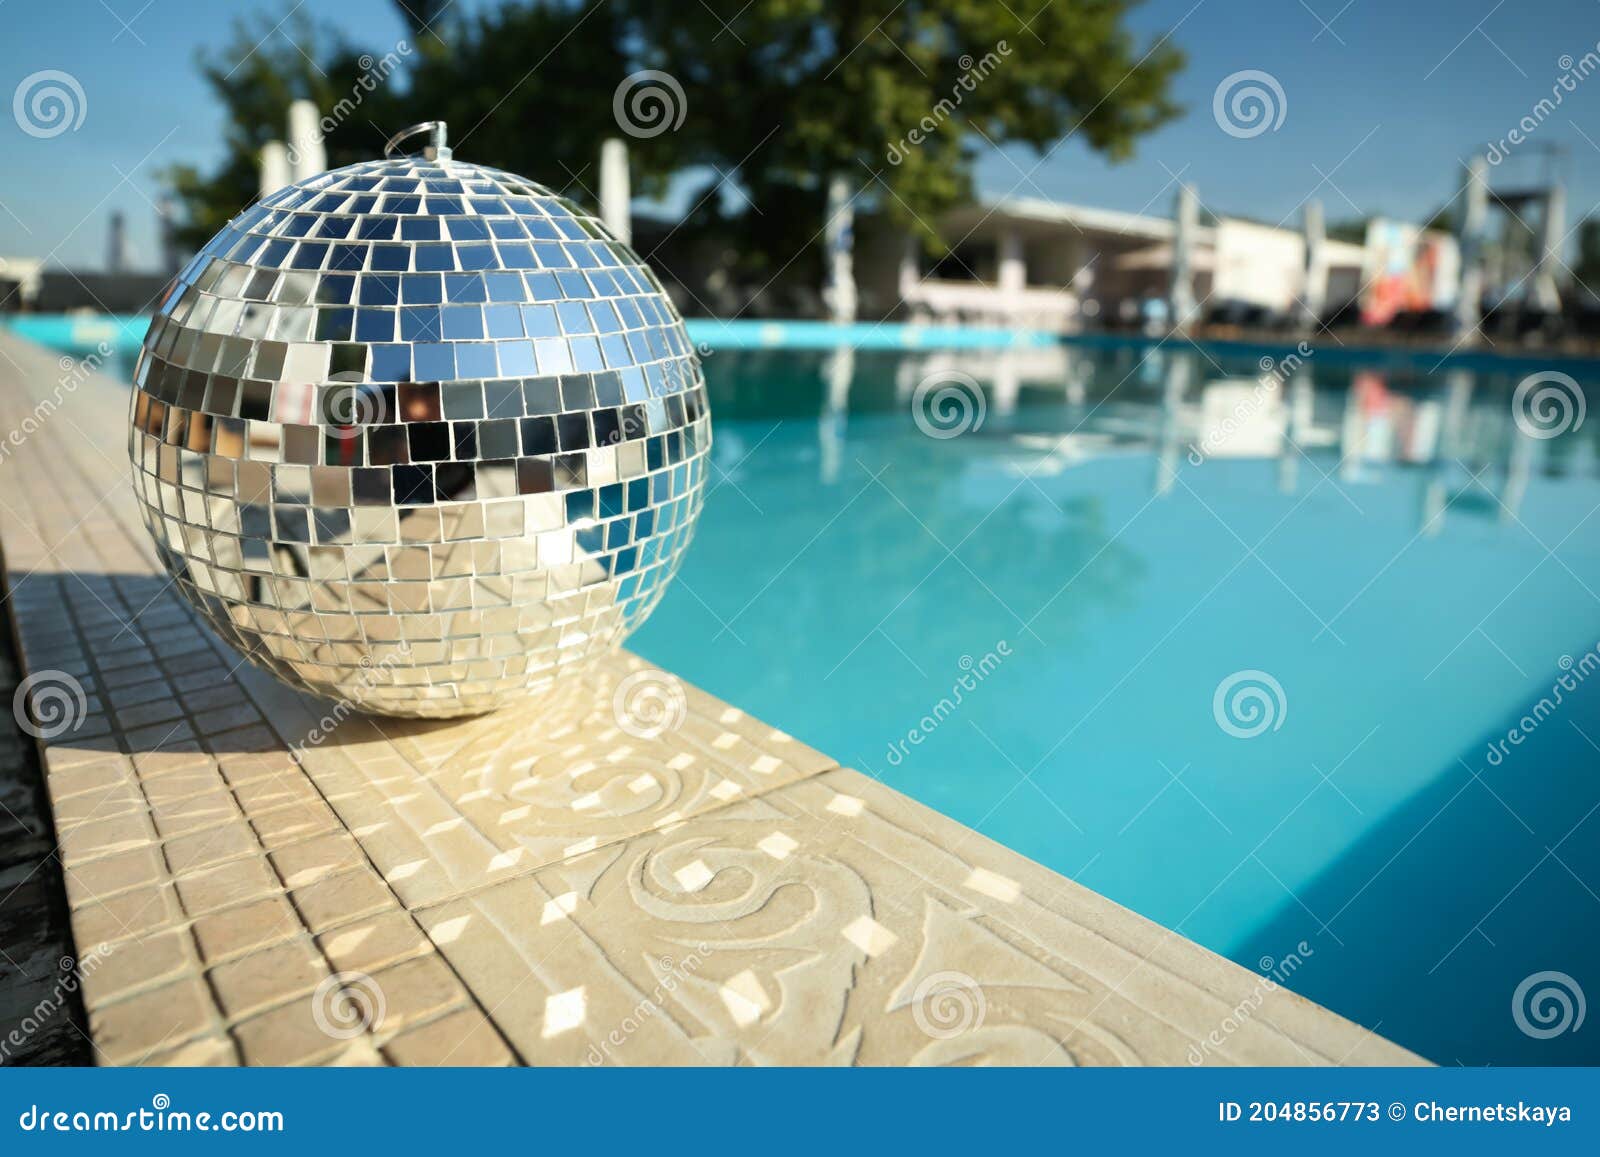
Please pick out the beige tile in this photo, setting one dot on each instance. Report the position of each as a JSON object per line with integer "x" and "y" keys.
{"x": 205, "y": 849}
{"x": 129, "y": 1031}
{"x": 232, "y": 883}
{"x": 127, "y": 914}
{"x": 285, "y": 825}
{"x": 275, "y": 790}
{"x": 462, "y": 1038}
{"x": 368, "y": 945}
{"x": 342, "y": 898}
{"x": 95, "y": 771}
{"x": 105, "y": 836}
{"x": 99, "y": 879}
{"x": 150, "y": 959}
{"x": 203, "y": 1052}
{"x": 267, "y": 977}
{"x": 117, "y": 799}
{"x": 415, "y": 990}
{"x": 171, "y": 789}
{"x": 305, "y": 863}
{"x": 170, "y": 759}
{"x": 250, "y": 768}
{"x": 290, "y": 1035}
{"x": 195, "y": 814}
{"x": 233, "y": 931}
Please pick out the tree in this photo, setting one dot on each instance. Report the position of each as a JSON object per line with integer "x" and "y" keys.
{"x": 521, "y": 88}
{"x": 1586, "y": 265}
{"x": 777, "y": 97}
{"x": 257, "y": 77}
{"x": 899, "y": 98}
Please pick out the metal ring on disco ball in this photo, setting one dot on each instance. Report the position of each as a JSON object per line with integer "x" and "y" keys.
{"x": 419, "y": 435}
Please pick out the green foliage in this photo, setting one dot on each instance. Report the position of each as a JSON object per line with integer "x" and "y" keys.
{"x": 785, "y": 95}
{"x": 1586, "y": 266}
{"x": 256, "y": 77}
{"x": 844, "y": 82}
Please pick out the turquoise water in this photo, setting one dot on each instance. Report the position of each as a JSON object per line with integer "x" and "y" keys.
{"x": 1118, "y": 538}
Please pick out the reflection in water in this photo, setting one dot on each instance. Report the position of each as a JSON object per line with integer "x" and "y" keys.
{"x": 1183, "y": 405}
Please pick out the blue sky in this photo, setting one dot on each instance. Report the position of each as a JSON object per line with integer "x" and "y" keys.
{"x": 1381, "y": 101}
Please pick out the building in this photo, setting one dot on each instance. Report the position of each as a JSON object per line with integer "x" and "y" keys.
{"x": 1038, "y": 264}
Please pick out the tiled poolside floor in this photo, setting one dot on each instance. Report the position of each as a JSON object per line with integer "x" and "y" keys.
{"x": 536, "y": 886}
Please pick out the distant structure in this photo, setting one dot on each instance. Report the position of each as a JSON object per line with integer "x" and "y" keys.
{"x": 1522, "y": 262}
{"x": 1186, "y": 214}
{"x": 839, "y": 241}
{"x": 615, "y": 196}
{"x": 1030, "y": 263}
{"x": 1314, "y": 297}
{"x": 307, "y": 155}
{"x": 303, "y": 156}
{"x": 27, "y": 285}
{"x": 167, "y": 233}
{"x": 273, "y": 161}
{"x": 117, "y": 243}
{"x": 1474, "y": 220}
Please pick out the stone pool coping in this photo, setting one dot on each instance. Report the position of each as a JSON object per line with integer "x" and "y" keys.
{"x": 535, "y": 886}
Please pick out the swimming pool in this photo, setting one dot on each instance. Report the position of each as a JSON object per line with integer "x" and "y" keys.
{"x": 1237, "y": 643}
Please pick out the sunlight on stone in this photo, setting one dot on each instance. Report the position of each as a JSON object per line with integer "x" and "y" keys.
{"x": 449, "y": 931}
{"x": 847, "y": 805}
{"x": 869, "y": 936}
{"x": 1002, "y": 888}
{"x": 559, "y": 908}
{"x": 506, "y": 859}
{"x": 564, "y": 1011}
{"x": 693, "y": 877}
{"x": 745, "y": 999}
{"x": 777, "y": 845}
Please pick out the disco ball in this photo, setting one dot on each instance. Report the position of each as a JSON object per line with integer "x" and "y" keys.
{"x": 419, "y": 435}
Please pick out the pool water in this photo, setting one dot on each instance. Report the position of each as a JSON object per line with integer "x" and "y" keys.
{"x": 1028, "y": 625}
